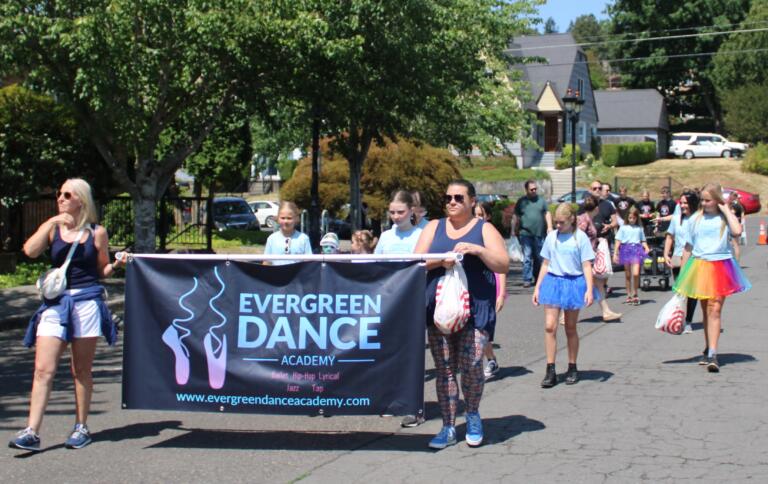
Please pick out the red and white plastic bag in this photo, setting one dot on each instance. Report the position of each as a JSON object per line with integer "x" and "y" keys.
{"x": 671, "y": 318}
{"x": 452, "y": 301}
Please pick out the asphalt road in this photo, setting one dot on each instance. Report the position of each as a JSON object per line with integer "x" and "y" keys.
{"x": 601, "y": 430}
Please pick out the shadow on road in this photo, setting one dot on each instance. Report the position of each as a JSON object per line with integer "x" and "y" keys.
{"x": 722, "y": 358}
{"x": 509, "y": 372}
{"x": 496, "y": 430}
{"x": 595, "y": 375}
{"x": 136, "y": 431}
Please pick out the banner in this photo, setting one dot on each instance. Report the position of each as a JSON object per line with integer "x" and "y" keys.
{"x": 307, "y": 338}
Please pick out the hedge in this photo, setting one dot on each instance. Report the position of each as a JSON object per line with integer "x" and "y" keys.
{"x": 756, "y": 160}
{"x": 565, "y": 160}
{"x": 628, "y": 154}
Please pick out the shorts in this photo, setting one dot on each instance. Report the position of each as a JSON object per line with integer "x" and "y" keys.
{"x": 86, "y": 320}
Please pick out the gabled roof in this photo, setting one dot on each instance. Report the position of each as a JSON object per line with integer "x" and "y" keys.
{"x": 631, "y": 109}
{"x": 560, "y": 50}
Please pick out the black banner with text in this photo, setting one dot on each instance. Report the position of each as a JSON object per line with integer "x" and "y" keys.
{"x": 307, "y": 338}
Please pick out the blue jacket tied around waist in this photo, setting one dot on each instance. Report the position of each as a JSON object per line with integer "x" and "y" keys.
{"x": 95, "y": 293}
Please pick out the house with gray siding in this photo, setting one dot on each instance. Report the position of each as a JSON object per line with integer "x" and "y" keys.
{"x": 633, "y": 115}
{"x": 564, "y": 65}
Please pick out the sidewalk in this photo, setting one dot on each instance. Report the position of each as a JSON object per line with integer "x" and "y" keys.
{"x": 17, "y": 304}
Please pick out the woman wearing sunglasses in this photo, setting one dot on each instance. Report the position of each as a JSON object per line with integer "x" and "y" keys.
{"x": 77, "y": 317}
{"x": 484, "y": 253}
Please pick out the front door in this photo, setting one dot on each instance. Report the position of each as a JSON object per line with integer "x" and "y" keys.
{"x": 550, "y": 133}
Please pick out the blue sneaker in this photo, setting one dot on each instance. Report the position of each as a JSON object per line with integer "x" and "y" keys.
{"x": 26, "y": 439}
{"x": 446, "y": 437}
{"x": 474, "y": 435}
{"x": 80, "y": 437}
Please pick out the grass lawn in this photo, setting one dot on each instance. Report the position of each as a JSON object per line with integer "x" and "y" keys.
{"x": 693, "y": 173}
{"x": 499, "y": 169}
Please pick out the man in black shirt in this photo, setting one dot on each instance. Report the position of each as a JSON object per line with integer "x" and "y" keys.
{"x": 665, "y": 207}
{"x": 645, "y": 206}
{"x": 624, "y": 203}
{"x": 606, "y": 220}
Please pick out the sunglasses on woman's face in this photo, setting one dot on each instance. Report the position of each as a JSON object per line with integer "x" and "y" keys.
{"x": 458, "y": 198}
{"x": 66, "y": 195}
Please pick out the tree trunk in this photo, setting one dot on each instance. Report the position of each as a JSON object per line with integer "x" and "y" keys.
{"x": 314, "y": 204}
{"x": 145, "y": 214}
{"x": 357, "y": 154}
{"x": 711, "y": 104}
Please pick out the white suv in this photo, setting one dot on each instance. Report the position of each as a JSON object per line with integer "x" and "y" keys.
{"x": 691, "y": 145}
{"x": 265, "y": 211}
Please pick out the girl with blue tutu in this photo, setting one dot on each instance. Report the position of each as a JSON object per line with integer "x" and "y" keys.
{"x": 564, "y": 283}
{"x": 709, "y": 272}
{"x": 630, "y": 250}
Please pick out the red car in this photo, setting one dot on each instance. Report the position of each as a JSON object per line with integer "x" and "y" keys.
{"x": 750, "y": 201}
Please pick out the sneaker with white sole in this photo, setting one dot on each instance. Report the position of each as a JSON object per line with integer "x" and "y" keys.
{"x": 79, "y": 438}
{"x": 446, "y": 437}
{"x": 491, "y": 368}
{"x": 412, "y": 421}
{"x": 26, "y": 439}
{"x": 474, "y": 435}
{"x": 688, "y": 329}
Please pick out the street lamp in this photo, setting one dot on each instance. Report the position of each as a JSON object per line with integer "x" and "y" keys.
{"x": 573, "y": 105}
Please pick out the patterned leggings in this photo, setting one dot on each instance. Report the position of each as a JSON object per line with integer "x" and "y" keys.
{"x": 451, "y": 353}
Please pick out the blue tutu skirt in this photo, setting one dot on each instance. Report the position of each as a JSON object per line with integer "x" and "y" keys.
{"x": 564, "y": 292}
{"x": 632, "y": 254}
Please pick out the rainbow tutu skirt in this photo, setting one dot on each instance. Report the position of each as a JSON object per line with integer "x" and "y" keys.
{"x": 704, "y": 279}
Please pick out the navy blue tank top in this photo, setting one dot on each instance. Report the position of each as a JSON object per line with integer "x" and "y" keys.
{"x": 83, "y": 268}
{"x": 480, "y": 279}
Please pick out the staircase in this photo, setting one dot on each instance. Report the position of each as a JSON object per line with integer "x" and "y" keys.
{"x": 561, "y": 182}
{"x": 545, "y": 161}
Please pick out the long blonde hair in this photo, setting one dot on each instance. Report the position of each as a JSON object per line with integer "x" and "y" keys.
{"x": 88, "y": 213}
{"x": 716, "y": 192}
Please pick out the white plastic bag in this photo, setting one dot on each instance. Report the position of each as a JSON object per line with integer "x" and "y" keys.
{"x": 602, "y": 267}
{"x": 514, "y": 250}
{"x": 452, "y": 301}
{"x": 671, "y": 318}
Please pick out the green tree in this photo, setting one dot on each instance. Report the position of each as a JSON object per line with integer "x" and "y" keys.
{"x": 743, "y": 59}
{"x": 746, "y": 112}
{"x": 40, "y": 146}
{"x": 405, "y": 164}
{"x": 550, "y": 27}
{"x": 148, "y": 80}
{"x": 585, "y": 28}
{"x": 652, "y": 66}
{"x": 363, "y": 80}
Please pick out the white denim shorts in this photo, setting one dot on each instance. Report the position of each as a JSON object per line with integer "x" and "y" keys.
{"x": 86, "y": 319}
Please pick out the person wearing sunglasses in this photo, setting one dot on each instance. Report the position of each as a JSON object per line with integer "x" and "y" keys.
{"x": 77, "y": 317}
{"x": 484, "y": 253}
{"x": 532, "y": 223}
{"x": 287, "y": 240}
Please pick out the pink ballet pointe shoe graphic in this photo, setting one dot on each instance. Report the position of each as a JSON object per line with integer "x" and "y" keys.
{"x": 217, "y": 365}
{"x": 171, "y": 338}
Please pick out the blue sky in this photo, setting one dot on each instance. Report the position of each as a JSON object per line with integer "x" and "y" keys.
{"x": 564, "y": 11}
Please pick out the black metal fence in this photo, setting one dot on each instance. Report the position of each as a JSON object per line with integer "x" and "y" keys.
{"x": 180, "y": 222}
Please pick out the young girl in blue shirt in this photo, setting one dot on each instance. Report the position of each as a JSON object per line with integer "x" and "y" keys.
{"x": 287, "y": 240}
{"x": 709, "y": 272}
{"x": 629, "y": 250}
{"x": 564, "y": 283}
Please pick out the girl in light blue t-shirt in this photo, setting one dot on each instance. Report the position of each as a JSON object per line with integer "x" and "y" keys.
{"x": 564, "y": 282}
{"x": 287, "y": 240}
{"x": 709, "y": 272}
{"x": 402, "y": 237}
{"x": 630, "y": 251}
{"x": 674, "y": 243}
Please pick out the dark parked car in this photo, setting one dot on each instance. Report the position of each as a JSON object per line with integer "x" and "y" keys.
{"x": 233, "y": 213}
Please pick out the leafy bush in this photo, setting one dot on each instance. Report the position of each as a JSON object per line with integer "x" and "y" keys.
{"x": 756, "y": 160}
{"x": 26, "y": 274}
{"x": 565, "y": 160}
{"x": 746, "y": 112}
{"x": 596, "y": 146}
{"x": 627, "y": 154}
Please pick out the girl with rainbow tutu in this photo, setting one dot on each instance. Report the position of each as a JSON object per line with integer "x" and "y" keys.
{"x": 630, "y": 250}
{"x": 564, "y": 283}
{"x": 709, "y": 271}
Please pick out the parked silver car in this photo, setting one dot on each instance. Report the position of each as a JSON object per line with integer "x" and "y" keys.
{"x": 704, "y": 145}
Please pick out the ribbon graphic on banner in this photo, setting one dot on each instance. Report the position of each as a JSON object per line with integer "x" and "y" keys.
{"x": 307, "y": 338}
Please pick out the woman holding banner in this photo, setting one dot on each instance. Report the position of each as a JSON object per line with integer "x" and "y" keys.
{"x": 484, "y": 253}
{"x": 78, "y": 316}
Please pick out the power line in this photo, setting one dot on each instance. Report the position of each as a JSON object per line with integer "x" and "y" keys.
{"x": 669, "y": 56}
{"x": 648, "y": 39}
{"x": 743, "y": 24}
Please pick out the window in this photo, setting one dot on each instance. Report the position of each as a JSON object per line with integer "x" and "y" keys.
{"x": 582, "y": 132}
{"x": 581, "y": 88}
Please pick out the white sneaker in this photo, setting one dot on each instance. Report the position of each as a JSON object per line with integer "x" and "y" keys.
{"x": 688, "y": 329}
{"x": 491, "y": 368}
